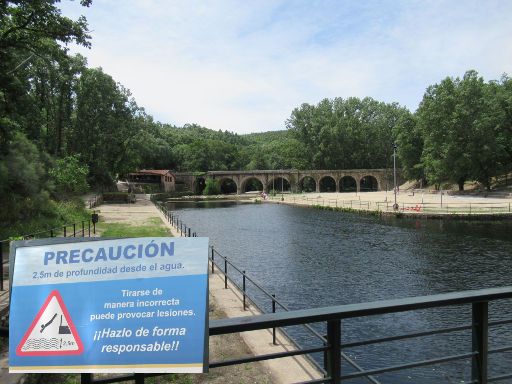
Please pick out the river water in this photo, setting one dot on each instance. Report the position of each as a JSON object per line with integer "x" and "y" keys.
{"x": 314, "y": 258}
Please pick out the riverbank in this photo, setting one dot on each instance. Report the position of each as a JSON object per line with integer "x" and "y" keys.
{"x": 410, "y": 204}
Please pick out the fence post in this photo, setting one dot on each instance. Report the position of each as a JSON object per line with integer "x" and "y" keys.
{"x": 274, "y": 311}
{"x": 139, "y": 378}
{"x": 480, "y": 342}
{"x": 64, "y": 231}
{"x": 83, "y": 229}
{"x": 243, "y": 286}
{"x": 89, "y": 227}
{"x": 188, "y": 231}
{"x": 2, "y": 266}
{"x": 86, "y": 378}
{"x": 334, "y": 352}
{"x": 213, "y": 263}
{"x": 51, "y": 232}
{"x": 225, "y": 273}
{"x": 74, "y": 230}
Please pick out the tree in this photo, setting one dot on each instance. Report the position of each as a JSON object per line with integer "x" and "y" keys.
{"x": 70, "y": 175}
{"x": 345, "y": 133}
{"x": 410, "y": 146}
{"x": 457, "y": 119}
{"x": 104, "y": 125}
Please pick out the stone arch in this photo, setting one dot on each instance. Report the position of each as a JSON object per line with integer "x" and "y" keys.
{"x": 348, "y": 184}
{"x": 228, "y": 186}
{"x": 368, "y": 183}
{"x": 307, "y": 184}
{"x": 274, "y": 182}
{"x": 327, "y": 183}
{"x": 248, "y": 184}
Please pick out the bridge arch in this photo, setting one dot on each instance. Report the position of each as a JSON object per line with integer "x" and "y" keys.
{"x": 348, "y": 184}
{"x": 307, "y": 184}
{"x": 252, "y": 183}
{"x": 368, "y": 183}
{"x": 274, "y": 182}
{"x": 228, "y": 185}
{"x": 327, "y": 184}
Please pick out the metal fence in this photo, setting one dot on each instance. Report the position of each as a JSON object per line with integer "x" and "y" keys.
{"x": 78, "y": 229}
{"x": 387, "y": 206}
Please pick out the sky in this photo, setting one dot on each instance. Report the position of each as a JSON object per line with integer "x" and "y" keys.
{"x": 243, "y": 66}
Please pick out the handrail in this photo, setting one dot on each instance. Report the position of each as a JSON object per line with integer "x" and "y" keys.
{"x": 77, "y": 230}
{"x": 432, "y": 207}
{"x": 296, "y": 317}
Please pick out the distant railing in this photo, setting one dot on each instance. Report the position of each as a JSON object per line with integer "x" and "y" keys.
{"x": 387, "y": 206}
{"x": 95, "y": 201}
{"x": 77, "y": 229}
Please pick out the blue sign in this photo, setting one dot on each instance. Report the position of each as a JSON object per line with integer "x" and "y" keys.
{"x": 125, "y": 305}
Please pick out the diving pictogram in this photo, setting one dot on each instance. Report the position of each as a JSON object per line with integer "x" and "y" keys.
{"x": 52, "y": 332}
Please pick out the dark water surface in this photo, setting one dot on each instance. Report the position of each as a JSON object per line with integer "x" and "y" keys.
{"x": 313, "y": 258}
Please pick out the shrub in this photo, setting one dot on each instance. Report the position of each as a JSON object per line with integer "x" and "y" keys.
{"x": 212, "y": 187}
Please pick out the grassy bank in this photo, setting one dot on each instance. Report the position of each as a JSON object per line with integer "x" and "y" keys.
{"x": 152, "y": 228}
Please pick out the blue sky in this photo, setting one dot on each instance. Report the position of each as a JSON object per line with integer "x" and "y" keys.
{"x": 243, "y": 66}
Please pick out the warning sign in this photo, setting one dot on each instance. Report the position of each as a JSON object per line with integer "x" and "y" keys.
{"x": 96, "y": 305}
{"x": 52, "y": 332}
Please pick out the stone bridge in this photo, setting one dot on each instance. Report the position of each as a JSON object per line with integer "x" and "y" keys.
{"x": 349, "y": 180}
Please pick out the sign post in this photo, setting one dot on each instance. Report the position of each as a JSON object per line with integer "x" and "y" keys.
{"x": 126, "y": 305}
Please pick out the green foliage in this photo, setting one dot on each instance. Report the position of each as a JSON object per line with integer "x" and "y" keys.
{"x": 345, "y": 133}
{"x": 53, "y": 214}
{"x": 69, "y": 175}
{"x": 212, "y": 187}
{"x": 460, "y": 121}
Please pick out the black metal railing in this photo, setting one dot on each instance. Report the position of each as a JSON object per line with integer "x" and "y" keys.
{"x": 332, "y": 345}
{"x": 174, "y": 220}
{"x": 78, "y": 229}
{"x": 333, "y": 317}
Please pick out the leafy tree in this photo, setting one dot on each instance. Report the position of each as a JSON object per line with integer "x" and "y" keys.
{"x": 410, "y": 146}
{"x": 69, "y": 175}
{"x": 457, "y": 119}
{"x": 343, "y": 134}
{"x": 104, "y": 125}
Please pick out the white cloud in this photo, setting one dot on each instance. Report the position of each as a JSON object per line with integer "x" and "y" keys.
{"x": 243, "y": 66}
